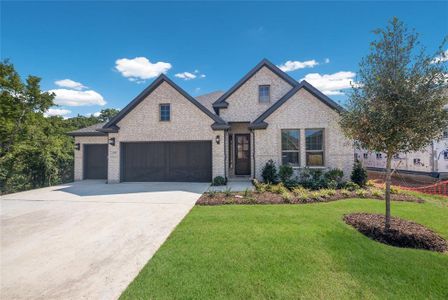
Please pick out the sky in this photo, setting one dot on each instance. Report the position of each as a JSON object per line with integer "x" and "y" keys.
{"x": 96, "y": 55}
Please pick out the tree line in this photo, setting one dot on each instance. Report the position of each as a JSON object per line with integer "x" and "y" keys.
{"x": 35, "y": 150}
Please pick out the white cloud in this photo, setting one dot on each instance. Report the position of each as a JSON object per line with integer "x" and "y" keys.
{"x": 140, "y": 68}
{"x": 96, "y": 114}
{"x": 327, "y": 60}
{"x": 185, "y": 76}
{"x": 290, "y": 65}
{"x": 77, "y": 98}
{"x": 56, "y": 112}
{"x": 441, "y": 58}
{"x": 68, "y": 83}
{"x": 331, "y": 84}
{"x": 202, "y": 76}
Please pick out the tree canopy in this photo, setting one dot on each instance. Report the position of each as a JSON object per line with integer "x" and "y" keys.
{"x": 35, "y": 150}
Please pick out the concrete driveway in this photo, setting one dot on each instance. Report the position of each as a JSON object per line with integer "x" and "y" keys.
{"x": 86, "y": 240}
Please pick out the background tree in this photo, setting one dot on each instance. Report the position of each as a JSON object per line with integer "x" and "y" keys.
{"x": 398, "y": 102}
{"x": 107, "y": 114}
{"x": 35, "y": 150}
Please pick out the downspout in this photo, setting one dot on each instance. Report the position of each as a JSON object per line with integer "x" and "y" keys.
{"x": 253, "y": 153}
{"x": 225, "y": 155}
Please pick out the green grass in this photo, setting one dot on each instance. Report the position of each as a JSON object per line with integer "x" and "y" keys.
{"x": 293, "y": 251}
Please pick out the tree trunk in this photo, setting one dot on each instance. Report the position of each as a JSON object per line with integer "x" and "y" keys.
{"x": 388, "y": 179}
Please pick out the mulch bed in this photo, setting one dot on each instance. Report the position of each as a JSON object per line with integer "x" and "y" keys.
{"x": 272, "y": 198}
{"x": 402, "y": 233}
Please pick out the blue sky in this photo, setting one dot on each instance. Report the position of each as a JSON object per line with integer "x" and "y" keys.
{"x": 110, "y": 51}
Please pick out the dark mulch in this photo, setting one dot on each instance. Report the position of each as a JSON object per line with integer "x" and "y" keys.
{"x": 273, "y": 198}
{"x": 402, "y": 233}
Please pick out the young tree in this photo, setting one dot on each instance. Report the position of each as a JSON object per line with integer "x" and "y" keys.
{"x": 397, "y": 104}
{"x": 107, "y": 114}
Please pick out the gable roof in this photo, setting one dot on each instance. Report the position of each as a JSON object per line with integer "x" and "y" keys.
{"x": 259, "y": 123}
{"x": 112, "y": 124}
{"x": 91, "y": 130}
{"x": 221, "y": 102}
{"x": 208, "y": 99}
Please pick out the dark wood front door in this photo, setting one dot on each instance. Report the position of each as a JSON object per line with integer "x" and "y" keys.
{"x": 242, "y": 154}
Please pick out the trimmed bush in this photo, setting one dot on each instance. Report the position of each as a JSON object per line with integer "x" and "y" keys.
{"x": 351, "y": 186}
{"x": 359, "y": 174}
{"x": 269, "y": 172}
{"x": 285, "y": 172}
{"x": 219, "y": 180}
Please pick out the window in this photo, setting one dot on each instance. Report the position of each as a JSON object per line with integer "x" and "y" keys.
{"x": 290, "y": 147}
{"x": 165, "y": 112}
{"x": 417, "y": 161}
{"x": 396, "y": 156}
{"x": 264, "y": 93}
{"x": 445, "y": 134}
{"x": 366, "y": 155}
{"x": 445, "y": 154}
{"x": 379, "y": 156}
{"x": 314, "y": 147}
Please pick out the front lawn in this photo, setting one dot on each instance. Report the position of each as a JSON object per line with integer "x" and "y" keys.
{"x": 293, "y": 251}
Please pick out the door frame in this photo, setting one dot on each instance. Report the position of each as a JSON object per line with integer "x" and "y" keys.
{"x": 235, "y": 159}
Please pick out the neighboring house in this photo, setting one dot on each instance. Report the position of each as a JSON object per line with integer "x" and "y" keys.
{"x": 431, "y": 161}
{"x": 165, "y": 134}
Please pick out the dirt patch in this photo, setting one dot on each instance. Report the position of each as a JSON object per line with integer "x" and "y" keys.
{"x": 312, "y": 197}
{"x": 402, "y": 233}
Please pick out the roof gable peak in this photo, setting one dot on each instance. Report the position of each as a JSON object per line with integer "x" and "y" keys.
{"x": 221, "y": 102}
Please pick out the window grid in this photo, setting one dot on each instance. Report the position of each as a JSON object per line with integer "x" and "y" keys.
{"x": 291, "y": 147}
{"x": 165, "y": 112}
{"x": 314, "y": 145}
{"x": 264, "y": 93}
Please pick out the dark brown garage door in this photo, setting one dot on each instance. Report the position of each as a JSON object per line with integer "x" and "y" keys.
{"x": 167, "y": 161}
{"x": 95, "y": 161}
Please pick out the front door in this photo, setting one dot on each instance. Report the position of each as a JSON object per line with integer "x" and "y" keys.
{"x": 242, "y": 154}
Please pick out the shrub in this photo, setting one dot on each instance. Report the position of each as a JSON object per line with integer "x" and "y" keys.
{"x": 286, "y": 196}
{"x": 377, "y": 193}
{"x": 351, "y": 186}
{"x": 311, "y": 179}
{"x": 359, "y": 174}
{"x": 361, "y": 193}
{"x": 328, "y": 192}
{"x": 212, "y": 193}
{"x": 334, "y": 175}
{"x": 370, "y": 183}
{"x": 301, "y": 192}
{"x": 278, "y": 188}
{"x": 219, "y": 180}
{"x": 332, "y": 184}
{"x": 247, "y": 193}
{"x": 228, "y": 192}
{"x": 346, "y": 193}
{"x": 269, "y": 172}
{"x": 285, "y": 172}
{"x": 395, "y": 190}
{"x": 292, "y": 183}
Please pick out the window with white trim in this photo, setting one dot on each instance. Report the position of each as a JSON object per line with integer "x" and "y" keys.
{"x": 366, "y": 155}
{"x": 291, "y": 147}
{"x": 314, "y": 145}
{"x": 379, "y": 156}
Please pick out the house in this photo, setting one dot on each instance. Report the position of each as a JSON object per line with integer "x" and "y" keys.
{"x": 432, "y": 161}
{"x": 165, "y": 134}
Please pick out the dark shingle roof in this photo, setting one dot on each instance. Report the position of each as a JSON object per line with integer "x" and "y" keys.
{"x": 208, "y": 99}
{"x": 88, "y": 131}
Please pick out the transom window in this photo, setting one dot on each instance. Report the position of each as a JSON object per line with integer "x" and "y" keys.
{"x": 165, "y": 112}
{"x": 314, "y": 147}
{"x": 290, "y": 147}
{"x": 264, "y": 93}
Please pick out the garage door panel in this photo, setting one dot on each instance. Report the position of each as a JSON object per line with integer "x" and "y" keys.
{"x": 167, "y": 161}
{"x": 95, "y": 161}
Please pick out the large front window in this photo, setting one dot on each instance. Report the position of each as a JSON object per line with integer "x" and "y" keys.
{"x": 314, "y": 147}
{"x": 290, "y": 147}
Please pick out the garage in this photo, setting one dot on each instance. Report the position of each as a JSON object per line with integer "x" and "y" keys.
{"x": 166, "y": 161}
{"x": 95, "y": 161}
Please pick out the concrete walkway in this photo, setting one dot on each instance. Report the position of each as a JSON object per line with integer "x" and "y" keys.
{"x": 86, "y": 240}
{"x": 234, "y": 186}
